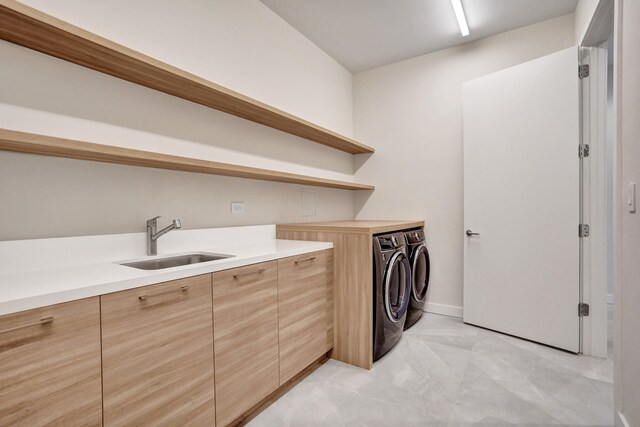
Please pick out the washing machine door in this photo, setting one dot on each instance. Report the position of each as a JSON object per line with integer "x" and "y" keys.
{"x": 421, "y": 268}
{"x": 397, "y": 286}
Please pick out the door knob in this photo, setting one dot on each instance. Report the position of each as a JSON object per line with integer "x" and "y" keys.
{"x": 471, "y": 233}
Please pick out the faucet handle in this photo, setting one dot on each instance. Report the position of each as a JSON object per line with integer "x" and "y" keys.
{"x": 152, "y": 220}
{"x": 177, "y": 223}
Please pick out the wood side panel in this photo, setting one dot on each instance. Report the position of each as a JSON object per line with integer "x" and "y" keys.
{"x": 30, "y": 143}
{"x": 245, "y": 315}
{"x": 158, "y": 354}
{"x": 50, "y": 373}
{"x": 352, "y": 291}
{"x": 331, "y": 316}
{"x": 302, "y": 309}
{"x": 28, "y": 27}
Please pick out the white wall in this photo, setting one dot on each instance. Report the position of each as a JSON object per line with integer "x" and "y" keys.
{"x": 583, "y": 15}
{"x": 411, "y": 112}
{"x": 242, "y": 45}
{"x": 627, "y": 319}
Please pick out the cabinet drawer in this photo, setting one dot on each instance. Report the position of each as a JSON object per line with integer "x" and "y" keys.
{"x": 305, "y": 311}
{"x": 50, "y": 366}
{"x": 245, "y": 316}
{"x": 157, "y": 346}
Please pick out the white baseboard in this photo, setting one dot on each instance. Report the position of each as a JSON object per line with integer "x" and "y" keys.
{"x": 447, "y": 310}
{"x": 621, "y": 421}
{"x": 610, "y": 299}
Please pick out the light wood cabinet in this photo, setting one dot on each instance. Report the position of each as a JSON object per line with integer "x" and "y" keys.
{"x": 245, "y": 316}
{"x": 50, "y": 366}
{"x": 305, "y": 310}
{"x": 353, "y": 279}
{"x": 157, "y": 349}
{"x": 146, "y": 356}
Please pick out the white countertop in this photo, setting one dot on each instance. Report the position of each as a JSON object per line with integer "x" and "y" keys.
{"x": 27, "y": 288}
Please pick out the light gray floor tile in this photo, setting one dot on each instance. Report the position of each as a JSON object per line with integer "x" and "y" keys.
{"x": 446, "y": 373}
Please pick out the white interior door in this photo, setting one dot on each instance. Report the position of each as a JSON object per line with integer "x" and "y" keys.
{"x": 521, "y": 194}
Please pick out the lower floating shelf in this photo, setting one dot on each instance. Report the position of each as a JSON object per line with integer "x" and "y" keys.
{"x": 24, "y": 142}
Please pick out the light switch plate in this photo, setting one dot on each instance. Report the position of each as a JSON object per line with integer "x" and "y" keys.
{"x": 631, "y": 197}
{"x": 237, "y": 207}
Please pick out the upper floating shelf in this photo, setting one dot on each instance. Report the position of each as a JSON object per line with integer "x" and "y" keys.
{"x": 36, "y": 30}
{"x": 23, "y": 142}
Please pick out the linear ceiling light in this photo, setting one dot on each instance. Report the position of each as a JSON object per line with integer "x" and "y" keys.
{"x": 462, "y": 20}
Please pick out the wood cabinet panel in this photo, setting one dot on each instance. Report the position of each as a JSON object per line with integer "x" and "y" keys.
{"x": 245, "y": 316}
{"x": 50, "y": 370}
{"x": 157, "y": 344}
{"x": 305, "y": 322}
{"x": 352, "y": 291}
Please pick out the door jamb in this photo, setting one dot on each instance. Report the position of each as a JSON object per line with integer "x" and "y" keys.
{"x": 594, "y": 202}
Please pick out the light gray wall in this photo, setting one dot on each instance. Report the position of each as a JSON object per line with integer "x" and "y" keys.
{"x": 242, "y": 45}
{"x": 411, "y": 112}
{"x": 52, "y": 197}
{"x": 627, "y": 319}
{"x": 583, "y": 15}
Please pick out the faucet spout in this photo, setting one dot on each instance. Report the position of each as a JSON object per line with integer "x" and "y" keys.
{"x": 174, "y": 226}
{"x": 153, "y": 235}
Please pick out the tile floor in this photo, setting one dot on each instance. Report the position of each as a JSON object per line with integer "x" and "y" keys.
{"x": 446, "y": 373}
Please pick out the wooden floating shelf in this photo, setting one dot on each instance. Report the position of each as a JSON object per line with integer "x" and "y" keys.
{"x": 24, "y": 142}
{"x": 36, "y": 30}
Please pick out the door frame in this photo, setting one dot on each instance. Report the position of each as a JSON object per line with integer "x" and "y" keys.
{"x": 594, "y": 201}
{"x": 593, "y": 108}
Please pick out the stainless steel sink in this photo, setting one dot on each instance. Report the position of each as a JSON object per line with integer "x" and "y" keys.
{"x": 175, "y": 261}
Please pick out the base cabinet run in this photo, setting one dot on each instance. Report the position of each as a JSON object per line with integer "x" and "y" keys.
{"x": 245, "y": 316}
{"x": 157, "y": 354}
{"x": 305, "y": 310}
{"x": 50, "y": 366}
{"x": 205, "y": 350}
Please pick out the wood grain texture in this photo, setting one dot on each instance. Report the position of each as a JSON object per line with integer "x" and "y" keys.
{"x": 24, "y": 142}
{"x": 331, "y": 315}
{"x": 356, "y": 226}
{"x": 35, "y": 30}
{"x": 304, "y": 320}
{"x": 279, "y": 392}
{"x": 352, "y": 292}
{"x": 245, "y": 316}
{"x": 158, "y": 355}
{"x": 50, "y": 374}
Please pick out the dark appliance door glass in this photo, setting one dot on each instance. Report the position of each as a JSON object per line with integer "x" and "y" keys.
{"x": 420, "y": 274}
{"x": 397, "y": 286}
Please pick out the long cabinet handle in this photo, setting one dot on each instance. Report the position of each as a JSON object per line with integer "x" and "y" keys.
{"x": 305, "y": 260}
{"x": 182, "y": 289}
{"x": 258, "y": 271}
{"x": 41, "y": 322}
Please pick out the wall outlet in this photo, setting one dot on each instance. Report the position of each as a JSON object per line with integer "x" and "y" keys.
{"x": 237, "y": 207}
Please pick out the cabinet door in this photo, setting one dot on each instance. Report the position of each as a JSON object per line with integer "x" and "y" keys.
{"x": 245, "y": 317}
{"x": 305, "y": 311}
{"x": 50, "y": 366}
{"x": 157, "y": 354}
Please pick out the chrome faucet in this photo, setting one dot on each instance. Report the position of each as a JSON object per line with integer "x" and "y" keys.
{"x": 153, "y": 235}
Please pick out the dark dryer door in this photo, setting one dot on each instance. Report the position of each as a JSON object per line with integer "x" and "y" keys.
{"x": 397, "y": 286}
{"x": 420, "y": 273}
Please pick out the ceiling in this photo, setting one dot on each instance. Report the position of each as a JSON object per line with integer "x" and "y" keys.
{"x": 364, "y": 34}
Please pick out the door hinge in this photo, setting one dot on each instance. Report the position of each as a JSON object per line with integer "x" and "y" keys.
{"x": 583, "y": 150}
{"x": 583, "y": 71}
{"x": 583, "y": 309}
{"x": 583, "y": 230}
